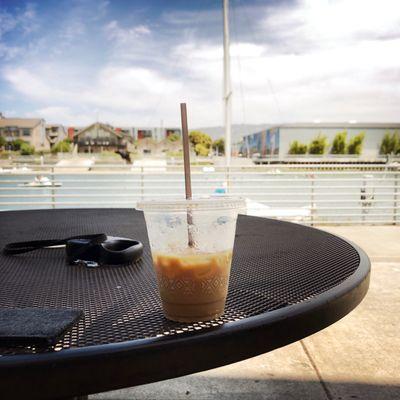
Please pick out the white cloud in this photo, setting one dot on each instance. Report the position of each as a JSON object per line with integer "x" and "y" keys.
{"x": 24, "y": 20}
{"x": 9, "y": 52}
{"x": 72, "y": 29}
{"x": 54, "y": 115}
{"x": 142, "y": 30}
{"x": 128, "y": 89}
{"x": 123, "y": 36}
{"x": 102, "y": 7}
{"x": 77, "y": 23}
{"x": 27, "y": 19}
{"x": 32, "y": 84}
{"x": 345, "y": 19}
{"x": 315, "y": 60}
{"x": 7, "y": 22}
{"x": 317, "y": 24}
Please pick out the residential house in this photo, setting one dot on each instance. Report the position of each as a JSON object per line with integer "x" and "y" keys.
{"x": 155, "y": 134}
{"x": 127, "y": 131}
{"x": 101, "y": 137}
{"x": 31, "y": 130}
{"x": 55, "y": 133}
{"x": 72, "y": 131}
{"x": 146, "y": 133}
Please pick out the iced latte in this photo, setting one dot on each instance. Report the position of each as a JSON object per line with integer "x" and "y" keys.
{"x": 191, "y": 244}
{"x": 193, "y": 286}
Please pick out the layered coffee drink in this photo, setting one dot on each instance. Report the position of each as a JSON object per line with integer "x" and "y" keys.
{"x": 191, "y": 244}
{"x": 193, "y": 285}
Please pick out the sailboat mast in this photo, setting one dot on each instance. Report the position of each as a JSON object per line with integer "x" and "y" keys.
{"x": 227, "y": 85}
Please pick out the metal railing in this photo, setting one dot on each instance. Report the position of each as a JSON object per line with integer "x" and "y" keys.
{"x": 310, "y": 194}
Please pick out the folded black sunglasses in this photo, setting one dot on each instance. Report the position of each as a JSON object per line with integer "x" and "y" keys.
{"x": 89, "y": 250}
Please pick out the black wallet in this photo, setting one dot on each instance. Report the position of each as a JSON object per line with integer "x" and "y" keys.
{"x": 35, "y": 326}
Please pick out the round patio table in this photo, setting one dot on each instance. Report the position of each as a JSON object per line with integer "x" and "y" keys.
{"x": 287, "y": 282}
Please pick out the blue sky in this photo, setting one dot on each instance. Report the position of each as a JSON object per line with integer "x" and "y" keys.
{"x": 133, "y": 62}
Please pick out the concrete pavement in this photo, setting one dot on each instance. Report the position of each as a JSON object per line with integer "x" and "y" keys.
{"x": 382, "y": 243}
{"x": 355, "y": 358}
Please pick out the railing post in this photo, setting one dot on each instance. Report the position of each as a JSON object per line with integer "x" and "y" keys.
{"x": 363, "y": 198}
{"x": 227, "y": 179}
{"x": 142, "y": 182}
{"x": 53, "y": 199}
{"x": 312, "y": 198}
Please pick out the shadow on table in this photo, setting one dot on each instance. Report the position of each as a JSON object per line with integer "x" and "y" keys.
{"x": 221, "y": 388}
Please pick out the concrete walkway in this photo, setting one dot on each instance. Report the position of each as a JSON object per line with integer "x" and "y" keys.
{"x": 356, "y": 358}
{"x": 382, "y": 243}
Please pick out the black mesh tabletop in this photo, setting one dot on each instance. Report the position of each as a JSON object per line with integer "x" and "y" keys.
{"x": 277, "y": 268}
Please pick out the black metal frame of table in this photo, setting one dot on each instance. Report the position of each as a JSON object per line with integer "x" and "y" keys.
{"x": 96, "y": 368}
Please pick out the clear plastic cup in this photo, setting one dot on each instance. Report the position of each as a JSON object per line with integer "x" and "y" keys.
{"x": 191, "y": 243}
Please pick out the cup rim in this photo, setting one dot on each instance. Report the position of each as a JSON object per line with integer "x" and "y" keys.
{"x": 220, "y": 202}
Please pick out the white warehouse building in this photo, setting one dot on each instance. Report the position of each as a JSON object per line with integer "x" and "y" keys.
{"x": 275, "y": 141}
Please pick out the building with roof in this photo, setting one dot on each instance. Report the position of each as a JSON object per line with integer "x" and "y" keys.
{"x": 31, "y": 130}
{"x": 55, "y": 133}
{"x": 157, "y": 134}
{"x": 275, "y": 141}
{"x": 72, "y": 131}
{"x": 99, "y": 137}
{"x": 136, "y": 133}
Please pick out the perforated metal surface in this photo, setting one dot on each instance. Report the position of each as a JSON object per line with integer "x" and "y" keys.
{"x": 275, "y": 264}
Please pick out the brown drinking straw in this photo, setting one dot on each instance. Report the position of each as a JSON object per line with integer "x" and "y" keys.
{"x": 186, "y": 164}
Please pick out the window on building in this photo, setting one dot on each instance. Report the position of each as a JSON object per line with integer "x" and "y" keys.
{"x": 26, "y": 132}
{"x": 144, "y": 133}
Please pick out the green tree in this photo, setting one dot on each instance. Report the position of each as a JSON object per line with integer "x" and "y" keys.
{"x": 173, "y": 137}
{"x": 355, "y": 144}
{"x": 339, "y": 143}
{"x": 297, "y": 148}
{"x": 199, "y": 138}
{"x": 3, "y": 141}
{"x": 390, "y": 143}
{"x": 386, "y": 144}
{"x": 16, "y": 144}
{"x": 62, "y": 147}
{"x": 201, "y": 150}
{"x": 318, "y": 145}
{"x": 26, "y": 149}
{"x": 219, "y": 146}
{"x": 396, "y": 143}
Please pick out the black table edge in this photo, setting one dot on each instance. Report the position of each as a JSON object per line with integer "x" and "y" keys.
{"x": 143, "y": 361}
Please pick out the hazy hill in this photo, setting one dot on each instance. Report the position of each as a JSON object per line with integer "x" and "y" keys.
{"x": 238, "y": 131}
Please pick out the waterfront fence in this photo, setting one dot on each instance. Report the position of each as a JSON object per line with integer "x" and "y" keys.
{"x": 309, "y": 194}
